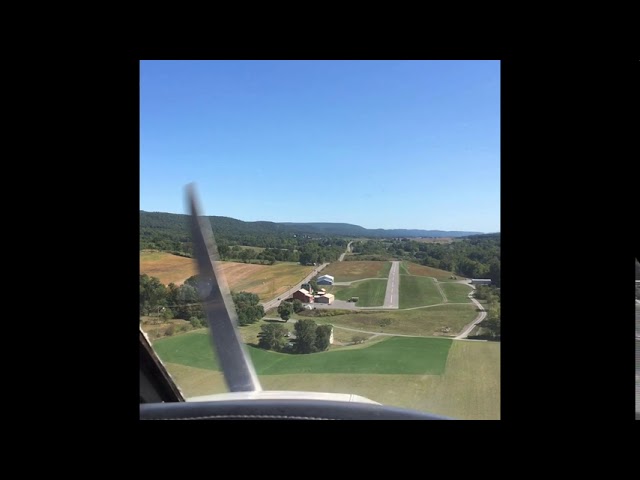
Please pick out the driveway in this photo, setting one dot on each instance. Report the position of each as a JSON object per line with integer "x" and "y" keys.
{"x": 276, "y": 301}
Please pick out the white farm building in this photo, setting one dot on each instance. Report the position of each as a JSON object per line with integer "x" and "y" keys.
{"x": 325, "y": 280}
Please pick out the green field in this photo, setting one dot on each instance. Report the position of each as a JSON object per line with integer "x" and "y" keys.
{"x": 468, "y": 389}
{"x": 370, "y": 292}
{"x": 349, "y": 271}
{"x": 423, "y": 321}
{"x": 395, "y": 355}
{"x": 456, "y": 292}
{"x": 423, "y": 271}
{"x": 418, "y": 291}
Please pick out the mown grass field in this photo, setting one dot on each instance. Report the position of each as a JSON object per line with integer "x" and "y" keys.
{"x": 456, "y": 292}
{"x": 356, "y": 270}
{"x": 423, "y": 321}
{"x": 267, "y": 281}
{"x": 421, "y": 270}
{"x": 418, "y": 291}
{"x": 394, "y": 355}
{"x": 468, "y": 389}
{"x": 370, "y": 292}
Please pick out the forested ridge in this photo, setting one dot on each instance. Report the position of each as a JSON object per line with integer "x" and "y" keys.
{"x": 170, "y": 231}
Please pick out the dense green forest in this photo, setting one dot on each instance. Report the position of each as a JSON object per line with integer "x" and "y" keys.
{"x": 476, "y": 256}
{"x": 170, "y": 232}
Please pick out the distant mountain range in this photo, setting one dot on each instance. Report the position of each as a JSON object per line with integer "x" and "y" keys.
{"x": 349, "y": 229}
{"x": 159, "y": 220}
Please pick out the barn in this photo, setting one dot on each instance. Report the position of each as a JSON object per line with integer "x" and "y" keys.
{"x": 303, "y": 295}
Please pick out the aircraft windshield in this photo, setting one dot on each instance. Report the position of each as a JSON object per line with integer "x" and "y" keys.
{"x": 355, "y": 211}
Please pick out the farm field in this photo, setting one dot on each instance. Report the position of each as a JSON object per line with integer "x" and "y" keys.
{"x": 418, "y": 291}
{"x": 469, "y": 387}
{"x": 423, "y": 321}
{"x": 394, "y": 355}
{"x": 168, "y": 268}
{"x": 423, "y": 271}
{"x": 267, "y": 281}
{"x": 370, "y": 292}
{"x": 356, "y": 270}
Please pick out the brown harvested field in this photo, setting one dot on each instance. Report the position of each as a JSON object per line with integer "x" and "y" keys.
{"x": 355, "y": 270}
{"x": 440, "y": 275}
{"x": 267, "y": 281}
{"x": 166, "y": 267}
{"x": 434, "y": 240}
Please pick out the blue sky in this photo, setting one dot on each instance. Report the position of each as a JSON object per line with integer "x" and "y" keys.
{"x": 381, "y": 144}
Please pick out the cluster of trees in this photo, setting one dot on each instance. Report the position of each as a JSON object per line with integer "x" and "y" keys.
{"x": 286, "y": 309}
{"x": 309, "y": 337}
{"x": 247, "y": 307}
{"x": 491, "y": 323}
{"x": 321, "y": 251}
{"x": 169, "y": 301}
{"x": 371, "y": 247}
{"x": 183, "y": 302}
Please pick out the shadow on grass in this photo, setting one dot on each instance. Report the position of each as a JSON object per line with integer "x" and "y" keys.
{"x": 484, "y": 337}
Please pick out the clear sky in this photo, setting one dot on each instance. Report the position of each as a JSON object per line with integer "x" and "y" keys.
{"x": 381, "y": 144}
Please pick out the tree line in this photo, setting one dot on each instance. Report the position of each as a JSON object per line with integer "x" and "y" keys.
{"x": 476, "y": 256}
{"x": 170, "y": 232}
{"x": 184, "y": 302}
{"x": 310, "y": 252}
{"x": 491, "y": 323}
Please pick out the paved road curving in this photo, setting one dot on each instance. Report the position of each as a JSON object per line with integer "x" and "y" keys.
{"x": 347, "y": 251}
{"x": 481, "y": 316}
